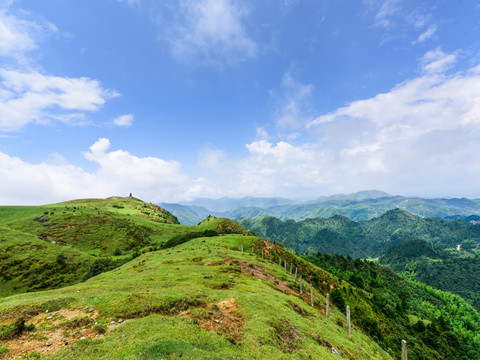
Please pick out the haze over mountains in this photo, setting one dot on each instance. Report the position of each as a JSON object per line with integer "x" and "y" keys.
{"x": 363, "y": 205}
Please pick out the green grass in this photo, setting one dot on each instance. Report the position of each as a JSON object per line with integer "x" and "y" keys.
{"x": 166, "y": 293}
{"x": 45, "y": 247}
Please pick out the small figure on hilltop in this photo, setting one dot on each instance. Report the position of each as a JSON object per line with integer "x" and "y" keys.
{"x": 130, "y": 195}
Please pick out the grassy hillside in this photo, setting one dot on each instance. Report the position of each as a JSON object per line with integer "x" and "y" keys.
{"x": 203, "y": 299}
{"x": 43, "y": 247}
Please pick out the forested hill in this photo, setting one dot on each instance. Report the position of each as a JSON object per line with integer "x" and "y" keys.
{"x": 371, "y": 238}
{"x": 448, "y": 270}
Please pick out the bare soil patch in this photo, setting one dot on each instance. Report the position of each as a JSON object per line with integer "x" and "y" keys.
{"x": 225, "y": 319}
{"x": 260, "y": 273}
{"x": 54, "y": 330}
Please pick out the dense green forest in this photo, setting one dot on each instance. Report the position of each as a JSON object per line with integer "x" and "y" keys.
{"x": 457, "y": 271}
{"x": 434, "y": 322}
{"x": 365, "y": 238}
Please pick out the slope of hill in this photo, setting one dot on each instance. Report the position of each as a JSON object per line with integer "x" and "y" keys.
{"x": 43, "y": 247}
{"x": 202, "y": 299}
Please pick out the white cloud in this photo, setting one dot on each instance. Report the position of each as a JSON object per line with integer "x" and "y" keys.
{"x": 427, "y": 34}
{"x": 20, "y": 35}
{"x": 399, "y": 19}
{"x": 212, "y": 32}
{"x": 293, "y": 103}
{"x": 119, "y": 173}
{"x": 387, "y": 10}
{"x": 32, "y": 97}
{"x": 124, "y": 120}
{"x": 421, "y": 136}
{"x": 27, "y": 95}
{"x": 437, "y": 61}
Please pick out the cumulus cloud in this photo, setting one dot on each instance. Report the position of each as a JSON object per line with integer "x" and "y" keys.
{"x": 30, "y": 96}
{"x": 211, "y": 31}
{"x": 421, "y": 134}
{"x": 118, "y": 173}
{"x": 421, "y": 137}
{"x": 124, "y": 120}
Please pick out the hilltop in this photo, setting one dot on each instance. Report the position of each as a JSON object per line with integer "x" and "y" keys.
{"x": 59, "y": 244}
{"x": 200, "y": 292}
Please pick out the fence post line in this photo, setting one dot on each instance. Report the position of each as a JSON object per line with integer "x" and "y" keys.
{"x": 349, "y": 325}
{"x": 404, "y": 350}
{"x": 327, "y": 306}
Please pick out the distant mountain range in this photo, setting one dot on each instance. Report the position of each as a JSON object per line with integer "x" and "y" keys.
{"x": 359, "y": 206}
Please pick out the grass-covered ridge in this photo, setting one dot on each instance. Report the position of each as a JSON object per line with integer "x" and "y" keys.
{"x": 50, "y": 246}
{"x": 202, "y": 299}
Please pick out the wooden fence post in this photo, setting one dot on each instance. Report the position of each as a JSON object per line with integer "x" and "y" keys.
{"x": 291, "y": 267}
{"x": 262, "y": 255}
{"x": 279, "y": 261}
{"x": 285, "y": 263}
{"x": 327, "y": 306}
{"x": 242, "y": 247}
{"x": 296, "y": 271}
{"x": 404, "y": 350}
{"x": 301, "y": 285}
{"x": 349, "y": 325}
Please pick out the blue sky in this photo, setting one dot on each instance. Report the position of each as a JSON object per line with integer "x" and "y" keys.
{"x": 175, "y": 100}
